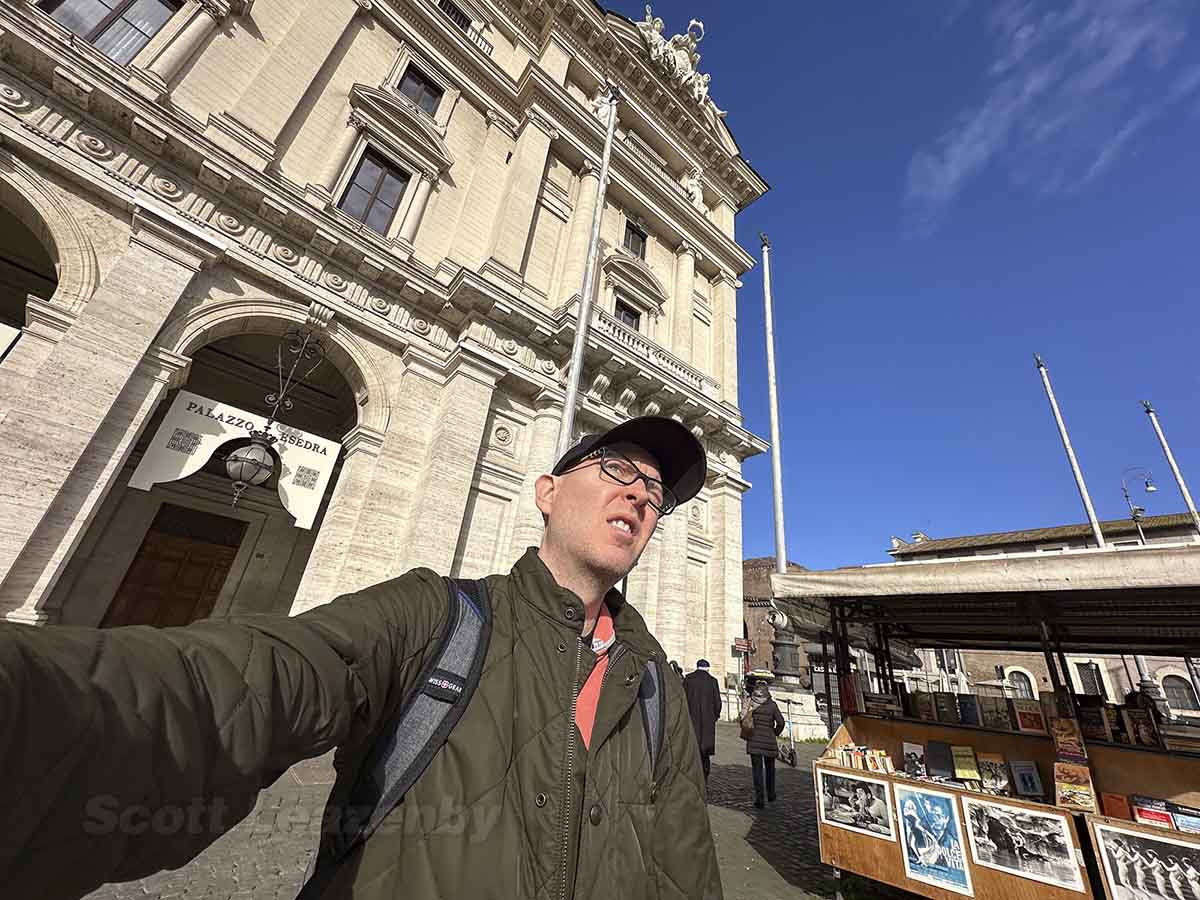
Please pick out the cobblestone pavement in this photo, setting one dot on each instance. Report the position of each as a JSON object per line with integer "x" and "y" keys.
{"x": 768, "y": 854}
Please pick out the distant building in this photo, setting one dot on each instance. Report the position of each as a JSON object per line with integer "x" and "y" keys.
{"x": 1024, "y": 674}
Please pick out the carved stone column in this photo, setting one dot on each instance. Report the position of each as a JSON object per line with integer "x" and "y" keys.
{"x": 580, "y": 230}
{"x": 543, "y": 438}
{"x": 725, "y": 340}
{"x": 335, "y": 541}
{"x": 510, "y": 236}
{"x": 416, "y": 210}
{"x": 480, "y": 209}
{"x": 204, "y": 17}
{"x": 320, "y": 193}
{"x": 685, "y": 284}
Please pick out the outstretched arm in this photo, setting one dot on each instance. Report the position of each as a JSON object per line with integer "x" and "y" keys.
{"x": 129, "y": 750}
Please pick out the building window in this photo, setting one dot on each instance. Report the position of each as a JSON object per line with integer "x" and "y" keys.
{"x": 1179, "y": 693}
{"x": 420, "y": 89}
{"x": 118, "y": 28}
{"x": 374, "y": 192}
{"x": 455, "y": 15}
{"x": 628, "y": 316}
{"x": 1091, "y": 680}
{"x": 946, "y": 660}
{"x": 635, "y": 240}
{"x": 1022, "y": 686}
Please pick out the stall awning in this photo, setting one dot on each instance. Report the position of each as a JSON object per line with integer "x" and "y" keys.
{"x": 1132, "y": 600}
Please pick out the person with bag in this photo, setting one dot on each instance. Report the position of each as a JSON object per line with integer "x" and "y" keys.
{"x": 761, "y": 722}
{"x": 517, "y": 736}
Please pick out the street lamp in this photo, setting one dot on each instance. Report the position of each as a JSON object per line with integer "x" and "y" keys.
{"x": 254, "y": 463}
{"x": 1137, "y": 513}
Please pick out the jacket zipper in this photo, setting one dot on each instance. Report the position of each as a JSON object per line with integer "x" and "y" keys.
{"x": 567, "y": 807}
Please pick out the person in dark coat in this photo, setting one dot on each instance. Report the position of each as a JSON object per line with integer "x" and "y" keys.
{"x": 704, "y": 704}
{"x": 761, "y": 745}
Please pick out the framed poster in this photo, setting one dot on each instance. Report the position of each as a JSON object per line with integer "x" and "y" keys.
{"x": 1022, "y": 841}
{"x": 931, "y": 837}
{"x": 856, "y": 803}
{"x": 1139, "y": 865}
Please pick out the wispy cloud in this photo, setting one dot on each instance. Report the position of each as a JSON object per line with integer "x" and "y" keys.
{"x": 1068, "y": 87}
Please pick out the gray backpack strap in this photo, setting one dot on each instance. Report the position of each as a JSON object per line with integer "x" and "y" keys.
{"x": 408, "y": 743}
{"x": 652, "y": 699}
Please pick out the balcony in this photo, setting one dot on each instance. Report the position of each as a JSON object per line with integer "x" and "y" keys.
{"x": 463, "y": 23}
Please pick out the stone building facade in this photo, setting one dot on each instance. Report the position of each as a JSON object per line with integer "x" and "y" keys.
{"x": 186, "y": 186}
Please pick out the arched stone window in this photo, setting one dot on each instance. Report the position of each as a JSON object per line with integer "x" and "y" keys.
{"x": 1179, "y": 693}
{"x": 1022, "y": 685}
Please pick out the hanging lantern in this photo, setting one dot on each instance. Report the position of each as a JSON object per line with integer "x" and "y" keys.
{"x": 252, "y": 464}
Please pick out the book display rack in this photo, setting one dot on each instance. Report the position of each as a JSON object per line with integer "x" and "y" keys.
{"x": 996, "y": 797}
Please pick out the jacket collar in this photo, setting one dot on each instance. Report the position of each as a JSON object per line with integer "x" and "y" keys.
{"x": 537, "y": 585}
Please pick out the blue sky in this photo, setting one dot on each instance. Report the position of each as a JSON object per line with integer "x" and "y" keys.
{"x": 956, "y": 185}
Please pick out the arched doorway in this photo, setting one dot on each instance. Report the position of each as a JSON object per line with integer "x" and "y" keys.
{"x": 182, "y": 550}
{"x": 26, "y": 269}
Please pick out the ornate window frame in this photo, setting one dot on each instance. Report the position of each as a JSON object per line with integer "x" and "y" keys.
{"x": 450, "y": 93}
{"x": 637, "y": 285}
{"x": 403, "y": 135}
{"x": 1033, "y": 681}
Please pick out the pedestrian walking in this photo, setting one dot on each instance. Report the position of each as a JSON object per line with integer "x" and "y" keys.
{"x": 761, "y": 743}
{"x": 503, "y": 712}
{"x": 704, "y": 706}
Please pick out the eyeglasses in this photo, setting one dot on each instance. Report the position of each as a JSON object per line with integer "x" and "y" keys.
{"x": 623, "y": 471}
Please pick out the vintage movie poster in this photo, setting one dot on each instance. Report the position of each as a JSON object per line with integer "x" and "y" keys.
{"x": 1022, "y": 841}
{"x": 1138, "y": 866}
{"x": 856, "y": 803}
{"x": 931, "y": 837}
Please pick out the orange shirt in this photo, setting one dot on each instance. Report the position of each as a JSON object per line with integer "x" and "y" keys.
{"x": 603, "y": 637}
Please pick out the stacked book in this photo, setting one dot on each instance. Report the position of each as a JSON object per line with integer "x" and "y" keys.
{"x": 864, "y": 758}
{"x": 1154, "y": 811}
{"x": 1073, "y": 788}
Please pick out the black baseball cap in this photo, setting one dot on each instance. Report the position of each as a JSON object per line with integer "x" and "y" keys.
{"x": 681, "y": 459}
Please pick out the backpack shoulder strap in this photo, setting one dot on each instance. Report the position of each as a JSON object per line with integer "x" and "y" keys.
{"x": 652, "y": 700}
{"x": 409, "y": 741}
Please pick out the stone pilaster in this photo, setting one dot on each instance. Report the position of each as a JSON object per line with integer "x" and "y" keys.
{"x": 28, "y": 589}
{"x": 571, "y": 281}
{"x": 685, "y": 285}
{"x": 50, "y": 422}
{"x": 335, "y": 543}
{"x": 459, "y": 421}
{"x": 671, "y": 622}
{"x": 725, "y": 339}
{"x": 642, "y": 590}
{"x": 45, "y": 325}
{"x": 510, "y": 237}
{"x": 383, "y": 525}
{"x": 543, "y": 440}
{"x": 250, "y": 128}
{"x": 473, "y": 232}
{"x": 724, "y": 613}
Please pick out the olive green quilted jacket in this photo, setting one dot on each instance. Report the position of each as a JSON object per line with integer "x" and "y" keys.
{"x": 127, "y": 751}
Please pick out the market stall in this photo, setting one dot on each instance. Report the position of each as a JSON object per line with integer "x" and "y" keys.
{"x": 951, "y": 795}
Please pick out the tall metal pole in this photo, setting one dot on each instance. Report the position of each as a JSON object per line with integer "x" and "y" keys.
{"x": 773, "y": 393}
{"x": 1162, "y": 439}
{"x": 567, "y": 427}
{"x": 1062, "y": 431}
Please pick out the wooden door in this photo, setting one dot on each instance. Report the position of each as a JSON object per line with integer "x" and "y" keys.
{"x": 176, "y": 577}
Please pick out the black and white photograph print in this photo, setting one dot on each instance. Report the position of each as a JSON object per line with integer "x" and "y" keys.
{"x": 856, "y": 803}
{"x": 1023, "y": 841}
{"x": 1140, "y": 866}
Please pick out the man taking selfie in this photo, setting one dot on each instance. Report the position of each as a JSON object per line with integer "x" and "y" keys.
{"x": 521, "y": 736}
